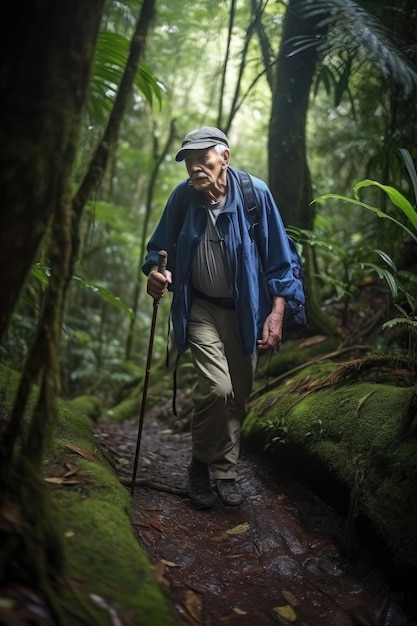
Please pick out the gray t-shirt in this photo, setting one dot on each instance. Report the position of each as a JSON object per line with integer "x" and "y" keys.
{"x": 210, "y": 272}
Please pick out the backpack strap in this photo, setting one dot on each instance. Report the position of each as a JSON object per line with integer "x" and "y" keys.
{"x": 181, "y": 208}
{"x": 249, "y": 198}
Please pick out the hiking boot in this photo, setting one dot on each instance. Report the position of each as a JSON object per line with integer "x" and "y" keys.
{"x": 229, "y": 492}
{"x": 200, "y": 492}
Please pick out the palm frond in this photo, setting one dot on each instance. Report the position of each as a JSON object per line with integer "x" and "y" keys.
{"x": 109, "y": 63}
{"x": 409, "y": 163}
{"x": 357, "y": 30}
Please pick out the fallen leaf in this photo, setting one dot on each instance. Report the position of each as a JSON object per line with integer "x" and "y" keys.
{"x": 159, "y": 569}
{"x": 289, "y": 597}
{"x": 218, "y": 538}
{"x": 254, "y": 571}
{"x": 238, "y": 530}
{"x": 239, "y": 611}
{"x": 203, "y": 534}
{"x": 194, "y": 605}
{"x": 286, "y": 611}
{"x": 55, "y": 480}
{"x": 148, "y": 536}
{"x": 169, "y": 563}
{"x": 156, "y": 523}
{"x": 311, "y": 341}
{"x": 81, "y": 451}
{"x": 71, "y": 471}
{"x": 362, "y": 402}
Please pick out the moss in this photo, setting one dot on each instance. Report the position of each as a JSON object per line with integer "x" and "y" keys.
{"x": 125, "y": 410}
{"x": 356, "y": 431}
{"x": 159, "y": 389}
{"x": 293, "y": 352}
{"x": 102, "y": 553}
{"x": 104, "y": 560}
{"x": 87, "y": 405}
{"x": 9, "y": 381}
{"x": 105, "y": 568}
{"x": 388, "y": 492}
{"x": 74, "y": 425}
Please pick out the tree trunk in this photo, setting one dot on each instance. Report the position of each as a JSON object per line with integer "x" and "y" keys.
{"x": 289, "y": 174}
{"x": 46, "y": 55}
{"x": 44, "y": 75}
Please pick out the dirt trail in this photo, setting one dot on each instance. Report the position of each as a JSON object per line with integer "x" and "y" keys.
{"x": 278, "y": 559}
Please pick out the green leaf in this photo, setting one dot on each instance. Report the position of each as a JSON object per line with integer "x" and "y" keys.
{"x": 409, "y": 163}
{"x": 238, "y": 530}
{"x": 375, "y": 210}
{"x": 107, "y": 295}
{"x": 385, "y": 257}
{"x": 399, "y": 320}
{"x": 110, "y": 60}
{"x": 40, "y": 273}
{"x": 394, "y": 195}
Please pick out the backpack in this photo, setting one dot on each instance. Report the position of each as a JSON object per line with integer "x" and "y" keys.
{"x": 294, "y": 313}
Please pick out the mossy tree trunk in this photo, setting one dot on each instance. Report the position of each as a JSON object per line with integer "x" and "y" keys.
{"x": 289, "y": 174}
{"x": 45, "y": 62}
{"x": 45, "y": 73}
{"x": 33, "y": 545}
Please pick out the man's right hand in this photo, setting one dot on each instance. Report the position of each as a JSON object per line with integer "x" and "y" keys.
{"x": 158, "y": 283}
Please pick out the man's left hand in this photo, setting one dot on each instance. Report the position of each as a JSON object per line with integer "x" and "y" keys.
{"x": 272, "y": 329}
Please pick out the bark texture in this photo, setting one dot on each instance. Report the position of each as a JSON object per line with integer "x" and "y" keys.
{"x": 46, "y": 57}
{"x": 289, "y": 174}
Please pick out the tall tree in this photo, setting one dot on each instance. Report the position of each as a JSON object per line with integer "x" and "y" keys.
{"x": 289, "y": 173}
{"x": 43, "y": 95}
{"x": 58, "y": 104}
{"x": 45, "y": 71}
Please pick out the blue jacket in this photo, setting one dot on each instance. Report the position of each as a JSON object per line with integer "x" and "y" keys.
{"x": 254, "y": 283}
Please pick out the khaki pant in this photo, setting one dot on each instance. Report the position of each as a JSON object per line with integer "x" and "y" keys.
{"x": 224, "y": 383}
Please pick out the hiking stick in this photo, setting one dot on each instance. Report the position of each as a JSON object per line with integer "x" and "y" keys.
{"x": 162, "y": 263}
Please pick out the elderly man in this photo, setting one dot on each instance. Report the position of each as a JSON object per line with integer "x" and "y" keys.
{"x": 228, "y": 300}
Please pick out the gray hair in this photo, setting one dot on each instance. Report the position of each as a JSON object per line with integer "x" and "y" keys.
{"x": 220, "y": 148}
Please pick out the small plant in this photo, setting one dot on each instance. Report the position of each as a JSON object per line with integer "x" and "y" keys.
{"x": 409, "y": 321}
{"x": 280, "y": 433}
{"x": 391, "y": 276}
{"x": 317, "y": 430}
{"x": 352, "y": 266}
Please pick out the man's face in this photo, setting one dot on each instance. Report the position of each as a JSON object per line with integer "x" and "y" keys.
{"x": 206, "y": 168}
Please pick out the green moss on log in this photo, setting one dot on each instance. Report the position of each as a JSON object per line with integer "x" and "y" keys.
{"x": 105, "y": 570}
{"x": 359, "y": 432}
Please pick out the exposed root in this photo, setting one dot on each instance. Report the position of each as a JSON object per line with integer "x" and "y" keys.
{"x": 144, "y": 482}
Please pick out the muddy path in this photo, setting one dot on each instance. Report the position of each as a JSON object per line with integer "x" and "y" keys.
{"x": 281, "y": 558}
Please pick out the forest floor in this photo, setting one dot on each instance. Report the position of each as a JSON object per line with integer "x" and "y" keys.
{"x": 281, "y": 558}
